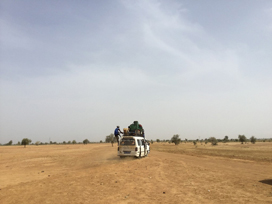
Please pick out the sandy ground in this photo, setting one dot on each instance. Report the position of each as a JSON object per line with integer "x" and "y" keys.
{"x": 94, "y": 174}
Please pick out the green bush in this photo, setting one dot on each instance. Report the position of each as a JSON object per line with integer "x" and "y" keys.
{"x": 253, "y": 140}
{"x": 86, "y": 141}
{"x": 110, "y": 138}
{"x": 26, "y": 141}
{"x": 213, "y": 140}
{"x": 9, "y": 143}
{"x": 242, "y": 138}
{"x": 175, "y": 139}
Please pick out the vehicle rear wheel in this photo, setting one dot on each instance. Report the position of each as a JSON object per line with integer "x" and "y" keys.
{"x": 122, "y": 157}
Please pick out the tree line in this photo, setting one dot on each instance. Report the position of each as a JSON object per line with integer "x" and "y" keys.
{"x": 175, "y": 139}
{"x": 241, "y": 138}
{"x": 27, "y": 141}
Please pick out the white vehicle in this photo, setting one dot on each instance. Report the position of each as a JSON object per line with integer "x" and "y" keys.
{"x": 133, "y": 146}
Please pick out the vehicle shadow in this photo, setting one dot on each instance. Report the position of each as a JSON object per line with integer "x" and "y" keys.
{"x": 267, "y": 181}
{"x": 117, "y": 158}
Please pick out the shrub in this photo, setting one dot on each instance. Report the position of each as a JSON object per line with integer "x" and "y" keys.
{"x": 253, "y": 140}
{"x": 110, "y": 138}
{"x": 213, "y": 140}
{"x": 226, "y": 139}
{"x": 175, "y": 139}
{"x": 86, "y": 141}
{"x": 9, "y": 143}
{"x": 26, "y": 141}
{"x": 242, "y": 138}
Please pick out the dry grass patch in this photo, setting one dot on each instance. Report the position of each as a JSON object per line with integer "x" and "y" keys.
{"x": 257, "y": 152}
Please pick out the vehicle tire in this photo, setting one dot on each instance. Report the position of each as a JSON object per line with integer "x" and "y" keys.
{"x": 122, "y": 157}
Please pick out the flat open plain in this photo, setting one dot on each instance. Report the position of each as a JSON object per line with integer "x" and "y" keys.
{"x": 227, "y": 173}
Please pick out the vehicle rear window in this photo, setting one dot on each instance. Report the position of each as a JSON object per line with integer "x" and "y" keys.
{"x": 127, "y": 142}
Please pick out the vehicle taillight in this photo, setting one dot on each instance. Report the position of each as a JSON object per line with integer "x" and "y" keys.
{"x": 136, "y": 148}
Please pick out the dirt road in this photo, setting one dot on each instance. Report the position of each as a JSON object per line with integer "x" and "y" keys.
{"x": 94, "y": 174}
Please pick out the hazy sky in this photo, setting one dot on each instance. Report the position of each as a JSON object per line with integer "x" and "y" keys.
{"x": 76, "y": 69}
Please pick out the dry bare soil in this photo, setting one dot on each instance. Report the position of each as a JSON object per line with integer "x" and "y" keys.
{"x": 227, "y": 173}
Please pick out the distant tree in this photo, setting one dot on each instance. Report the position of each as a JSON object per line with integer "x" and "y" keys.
{"x": 73, "y": 142}
{"x": 110, "y": 138}
{"x": 69, "y": 142}
{"x": 175, "y": 139}
{"x": 86, "y": 141}
{"x": 226, "y": 139}
{"x": 242, "y": 138}
{"x": 63, "y": 142}
{"x": 37, "y": 143}
{"x": 151, "y": 141}
{"x": 213, "y": 140}
{"x": 26, "y": 141}
{"x": 194, "y": 142}
{"x": 186, "y": 140}
{"x": 101, "y": 141}
{"x": 51, "y": 142}
{"x": 158, "y": 140}
{"x": 19, "y": 143}
{"x": 253, "y": 140}
{"x": 9, "y": 143}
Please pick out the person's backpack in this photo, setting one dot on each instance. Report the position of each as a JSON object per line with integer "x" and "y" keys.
{"x": 116, "y": 132}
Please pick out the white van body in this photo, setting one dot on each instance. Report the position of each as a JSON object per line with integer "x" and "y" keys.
{"x": 133, "y": 146}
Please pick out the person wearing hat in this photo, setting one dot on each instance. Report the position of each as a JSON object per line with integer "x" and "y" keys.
{"x": 117, "y": 132}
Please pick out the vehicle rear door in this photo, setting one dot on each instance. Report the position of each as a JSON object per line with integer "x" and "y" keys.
{"x": 139, "y": 142}
{"x": 143, "y": 147}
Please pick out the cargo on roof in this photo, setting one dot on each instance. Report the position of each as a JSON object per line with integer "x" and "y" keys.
{"x": 135, "y": 129}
